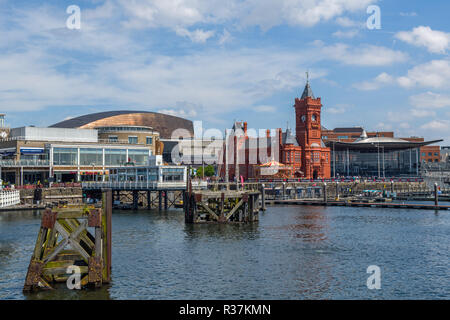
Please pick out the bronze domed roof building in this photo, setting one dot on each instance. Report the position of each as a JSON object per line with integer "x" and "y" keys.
{"x": 162, "y": 123}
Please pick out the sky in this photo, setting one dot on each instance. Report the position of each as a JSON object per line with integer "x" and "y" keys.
{"x": 218, "y": 61}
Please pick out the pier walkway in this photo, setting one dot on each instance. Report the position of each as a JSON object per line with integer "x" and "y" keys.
{"x": 360, "y": 204}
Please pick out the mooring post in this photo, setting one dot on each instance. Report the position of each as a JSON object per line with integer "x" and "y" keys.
{"x": 160, "y": 200}
{"x": 284, "y": 190}
{"x": 436, "y": 195}
{"x": 135, "y": 199}
{"x": 108, "y": 230}
{"x": 263, "y": 197}
{"x": 337, "y": 190}
{"x": 166, "y": 198}
{"x": 325, "y": 197}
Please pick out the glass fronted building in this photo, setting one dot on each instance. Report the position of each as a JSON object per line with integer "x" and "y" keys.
{"x": 376, "y": 157}
{"x": 150, "y": 174}
{"x": 92, "y": 163}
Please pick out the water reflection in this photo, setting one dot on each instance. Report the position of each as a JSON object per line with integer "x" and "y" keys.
{"x": 292, "y": 253}
{"x": 60, "y": 292}
{"x": 309, "y": 225}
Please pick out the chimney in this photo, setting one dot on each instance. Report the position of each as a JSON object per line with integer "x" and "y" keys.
{"x": 245, "y": 128}
{"x": 268, "y": 133}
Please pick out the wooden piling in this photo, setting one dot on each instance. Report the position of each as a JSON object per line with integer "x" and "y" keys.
{"x": 65, "y": 241}
{"x": 263, "y": 197}
{"x": 436, "y": 195}
{"x": 222, "y": 207}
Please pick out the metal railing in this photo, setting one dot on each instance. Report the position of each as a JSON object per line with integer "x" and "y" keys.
{"x": 24, "y": 163}
{"x": 134, "y": 185}
{"x": 9, "y": 198}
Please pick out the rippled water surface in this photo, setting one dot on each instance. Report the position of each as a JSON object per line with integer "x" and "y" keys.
{"x": 292, "y": 253}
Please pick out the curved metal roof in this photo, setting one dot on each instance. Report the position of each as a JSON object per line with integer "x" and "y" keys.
{"x": 379, "y": 142}
{"x": 163, "y": 123}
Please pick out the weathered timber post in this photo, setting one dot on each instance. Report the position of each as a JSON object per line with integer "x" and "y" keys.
{"x": 337, "y": 190}
{"x": 436, "y": 195}
{"x": 149, "y": 200}
{"x": 160, "y": 200}
{"x": 107, "y": 230}
{"x": 135, "y": 199}
{"x": 64, "y": 241}
{"x": 263, "y": 197}
{"x": 166, "y": 198}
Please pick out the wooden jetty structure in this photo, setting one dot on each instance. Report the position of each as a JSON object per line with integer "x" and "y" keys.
{"x": 361, "y": 204}
{"x": 221, "y": 206}
{"x": 65, "y": 240}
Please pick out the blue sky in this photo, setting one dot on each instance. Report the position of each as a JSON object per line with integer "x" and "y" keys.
{"x": 219, "y": 61}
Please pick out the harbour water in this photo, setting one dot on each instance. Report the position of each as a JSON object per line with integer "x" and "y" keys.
{"x": 292, "y": 253}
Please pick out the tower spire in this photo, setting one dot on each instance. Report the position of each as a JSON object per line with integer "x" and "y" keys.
{"x": 307, "y": 93}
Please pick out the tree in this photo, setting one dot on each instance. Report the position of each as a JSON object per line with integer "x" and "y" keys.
{"x": 209, "y": 171}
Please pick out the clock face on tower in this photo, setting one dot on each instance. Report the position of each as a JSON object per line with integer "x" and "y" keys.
{"x": 313, "y": 118}
{"x": 303, "y": 118}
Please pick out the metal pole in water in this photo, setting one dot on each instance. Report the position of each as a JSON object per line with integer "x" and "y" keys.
{"x": 263, "y": 197}
{"x": 436, "y": 196}
{"x": 325, "y": 192}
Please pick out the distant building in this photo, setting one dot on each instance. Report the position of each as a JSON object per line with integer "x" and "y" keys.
{"x": 162, "y": 123}
{"x": 30, "y": 155}
{"x": 427, "y": 154}
{"x": 302, "y": 155}
{"x": 445, "y": 154}
{"x": 376, "y": 156}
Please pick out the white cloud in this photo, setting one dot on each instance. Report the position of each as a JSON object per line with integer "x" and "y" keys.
{"x": 263, "y": 13}
{"x": 346, "y": 34}
{"x": 420, "y": 113}
{"x": 346, "y": 22}
{"x": 381, "y": 80}
{"x": 430, "y": 100}
{"x": 363, "y": 55}
{"x": 197, "y": 36}
{"x": 434, "y": 41}
{"x": 435, "y": 74}
{"x": 265, "y": 109}
{"x": 335, "y": 110}
{"x": 225, "y": 37}
{"x": 179, "y": 112}
{"x": 437, "y": 125}
{"x": 382, "y": 126}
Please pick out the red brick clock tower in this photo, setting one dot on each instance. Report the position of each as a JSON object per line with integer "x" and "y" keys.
{"x": 315, "y": 156}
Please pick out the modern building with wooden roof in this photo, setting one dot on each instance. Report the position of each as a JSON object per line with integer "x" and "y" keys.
{"x": 162, "y": 123}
